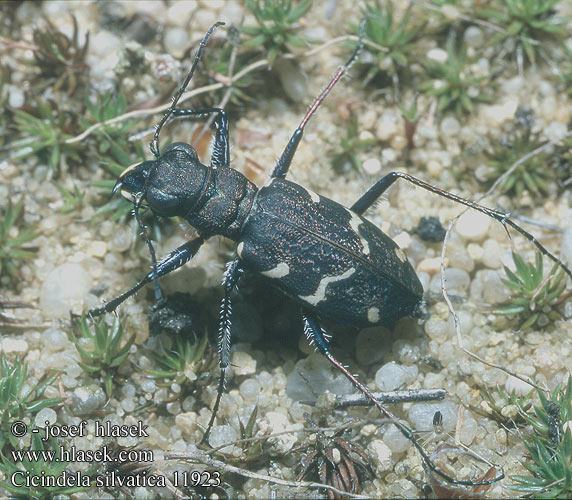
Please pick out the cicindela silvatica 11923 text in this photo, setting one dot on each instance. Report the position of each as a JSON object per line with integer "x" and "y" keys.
{"x": 329, "y": 259}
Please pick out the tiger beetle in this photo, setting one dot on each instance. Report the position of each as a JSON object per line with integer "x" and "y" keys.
{"x": 329, "y": 259}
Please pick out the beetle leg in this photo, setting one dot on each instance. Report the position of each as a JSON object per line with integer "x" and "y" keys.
{"x": 234, "y": 271}
{"x": 177, "y": 258}
{"x": 285, "y": 160}
{"x": 375, "y": 191}
{"x": 221, "y": 151}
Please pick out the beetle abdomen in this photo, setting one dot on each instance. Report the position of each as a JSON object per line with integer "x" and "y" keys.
{"x": 331, "y": 260}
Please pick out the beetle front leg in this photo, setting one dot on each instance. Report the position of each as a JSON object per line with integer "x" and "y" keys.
{"x": 177, "y": 258}
{"x": 221, "y": 150}
{"x": 233, "y": 273}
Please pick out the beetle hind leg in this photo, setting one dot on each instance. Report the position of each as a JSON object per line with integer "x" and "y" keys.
{"x": 375, "y": 191}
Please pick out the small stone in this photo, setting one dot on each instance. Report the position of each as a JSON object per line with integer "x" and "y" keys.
{"x": 492, "y": 254}
{"x": 292, "y": 79}
{"x": 421, "y": 415}
{"x": 46, "y": 415}
{"x": 566, "y": 248}
{"x": 16, "y": 97}
{"x": 97, "y": 249}
{"x": 468, "y": 429}
{"x": 128, "y": 405}
{"x": 176, "y": 41}
{"x": 386, "y": 127}
{"x": 249, "y": 389}
{"x": 223, "y": 434}
{"x": 243, "y": 363}
{"x": 173, "y": 407}
{"x": 392, "y": 376}
{"x": 12, "y": 345}
{"x": 438, "y": 55}
{"x": 457, "y": 281}
{"x": 64, "y": 289}
{"x": 87, "y": 399}
{"x": 381, "y": 455}
{"x": 494, "y": 290}
{"x": 273, "y": 423}
{"x": 437, "y": 329}
{"x": 372, "y": 166}
{"x": 315, "y": 375}
{"x": 148, "y": 385}
{"x": 473, "y": 225}
{"x": 429, "y": 266}
{"x": 54, "y": 339}
{"x": 450, "y": 126}
{"x": 395, "y": 440}
{"x": 474, "y": 37}
{"x": 187, "y": 422}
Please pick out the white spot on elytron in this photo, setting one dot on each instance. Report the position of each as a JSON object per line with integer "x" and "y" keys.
{"x": 239, "y": 249}
{"x": 315, "y": 197}
{"x": 400, "y": 255}
{"x": 373, "y": 314}
{"x": 320, "y": 294}
{"x": 281, "y": 270}
{"x": 355, "y": 222}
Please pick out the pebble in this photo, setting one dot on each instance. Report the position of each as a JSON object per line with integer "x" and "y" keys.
{"x": 292, "y": 79}
{"x": 12, "y": 345}
{"x": 249, "y": 389}
{"x": 386, "y": 127}
{"x": 176, "y": 41}
{"x": 395, "y": 441}
{"x": 16, "y": 97}
{"x": 457, "y": 281}
{"x": 223, "y": 434}
{"x": 392, "y": 376}
{"x": 275, "y": 422}
{"x": 429, "y": 266}
{"x": 54, "y": 340}
{"x": 473, "y": 225}
{"x": 64, "y": 289}
{"x": 187, "y": 422}
{"x": 97, "y": 249}
{"x": 46, "y": 415}
{"x": 494, "y": 290}
{"x": 474, "y": 37}
{"x": 243, "y": 363}
{"x": 381, "y": 455}
{"x": 315, "y": 375}
{"x": 437, "y": 55}
{"x": 450, "y": 126}
{"x": 492, "y": 254}
{"x": 421, "y": 415}
{"x": 437, "y": 329}
{"x": 371, "y": 166}
{"x": 566, "y": 248}
{"x": 87, "y": 399}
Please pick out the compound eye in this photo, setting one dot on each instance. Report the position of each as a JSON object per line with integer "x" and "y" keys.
{"x": 162, "y": 203}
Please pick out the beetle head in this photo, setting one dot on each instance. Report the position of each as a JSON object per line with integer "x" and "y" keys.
{"x": 171, "y": 185}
